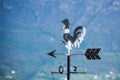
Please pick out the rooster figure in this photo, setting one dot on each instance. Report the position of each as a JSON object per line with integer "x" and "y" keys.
{"x": 75, "y": 39}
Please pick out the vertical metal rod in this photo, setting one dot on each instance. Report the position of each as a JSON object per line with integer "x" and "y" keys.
{"x": 68, "y": 67}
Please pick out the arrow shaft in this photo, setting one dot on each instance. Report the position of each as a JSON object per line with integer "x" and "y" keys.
{"x": 77, "y": 54}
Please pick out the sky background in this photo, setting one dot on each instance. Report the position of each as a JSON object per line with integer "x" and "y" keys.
{"x": 29, "y": 29}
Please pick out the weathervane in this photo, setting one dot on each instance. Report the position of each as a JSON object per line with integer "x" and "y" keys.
{"x": 73, "y": 41}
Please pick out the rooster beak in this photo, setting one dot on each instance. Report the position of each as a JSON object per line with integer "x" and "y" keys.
{"x": 62, "y": 21}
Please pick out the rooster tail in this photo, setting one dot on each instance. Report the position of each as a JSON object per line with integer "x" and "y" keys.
{"x": 77, "y": 31}
{"x": 79, "y": 34}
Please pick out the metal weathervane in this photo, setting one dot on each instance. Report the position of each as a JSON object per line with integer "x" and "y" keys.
{"x": 73, "y": 41}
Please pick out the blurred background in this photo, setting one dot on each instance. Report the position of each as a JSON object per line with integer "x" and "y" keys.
{"x": 29, "y": 29}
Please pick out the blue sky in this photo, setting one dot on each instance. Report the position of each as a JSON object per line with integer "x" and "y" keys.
{"x": 34, "y": 26}
{"x": 43, "y": 16}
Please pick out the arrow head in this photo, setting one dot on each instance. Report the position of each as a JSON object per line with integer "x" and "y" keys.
{"x": 52, "y": 53}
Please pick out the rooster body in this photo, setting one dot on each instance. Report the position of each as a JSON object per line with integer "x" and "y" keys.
{"x": 75, "y": 39}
